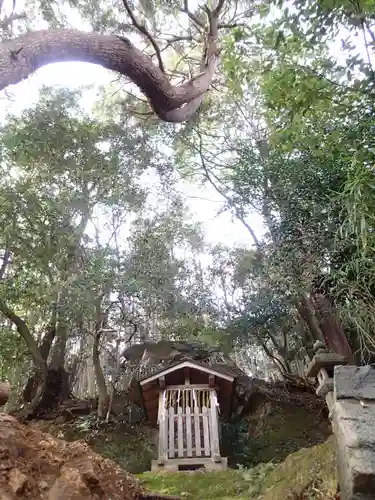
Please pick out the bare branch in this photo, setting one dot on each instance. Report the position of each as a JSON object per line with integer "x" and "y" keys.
{"x": 230, "y": 26}
{"x": 142, "y": 29}
{"x": 209, "y": 176}
{"x": 9, "y": 20}
{"x": 175, "y": 39}
{"x": 219, "y": 7}
{"x": 185, "y": 9}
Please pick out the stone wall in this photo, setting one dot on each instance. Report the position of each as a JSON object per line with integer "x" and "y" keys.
{"x": 353, "y": 420}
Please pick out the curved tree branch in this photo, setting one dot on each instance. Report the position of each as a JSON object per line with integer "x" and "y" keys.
{"x": 142, "y": 29}
{"x": 22, "y": 56}
{"x": 25, "y": 333}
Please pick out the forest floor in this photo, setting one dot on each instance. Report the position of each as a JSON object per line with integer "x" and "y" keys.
{"x": 283, "y": 450}
{"x": 307, "y": 474}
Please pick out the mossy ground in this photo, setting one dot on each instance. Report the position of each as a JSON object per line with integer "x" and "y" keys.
{"x": 131, "y": 446}
{"x": 306, "y": 474}
{"x": 286, "y": 429}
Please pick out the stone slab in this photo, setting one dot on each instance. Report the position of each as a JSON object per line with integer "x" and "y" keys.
{"x": 324, "y": 360}
{"x": 173, "y": 464}
{"x": 354, "y": 382}
{"x": 354, "y": 426}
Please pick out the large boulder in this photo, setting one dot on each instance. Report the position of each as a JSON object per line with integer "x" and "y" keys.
{"x": 167, "y": 351}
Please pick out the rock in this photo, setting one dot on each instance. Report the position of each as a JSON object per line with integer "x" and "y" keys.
{"x": 354, "y": 426}
{"x": 69, "y": 486}
{"x": 43, "y": 485}
{"x": 354, "y": 382}
{"x": 6, "y": 496}
{"x": 17, "y": 481}
{"x": 35, "y": 465}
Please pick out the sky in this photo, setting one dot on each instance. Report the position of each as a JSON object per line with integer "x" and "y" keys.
{"x": 203, "y": 201}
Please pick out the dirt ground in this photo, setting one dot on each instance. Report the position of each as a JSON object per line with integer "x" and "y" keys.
{"x": 35, "y": 465}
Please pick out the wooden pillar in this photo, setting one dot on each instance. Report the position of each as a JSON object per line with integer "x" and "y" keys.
{"x": 215, "y": 445}
{"x": 163, "y": 430}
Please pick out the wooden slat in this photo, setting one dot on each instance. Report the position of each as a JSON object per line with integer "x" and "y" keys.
{"x": 189, "y": 441}
{"x": 206, "y": 434}
{"x": 214, "y": 428}
{"x": 180, "y": 434}
{"x": 171, "y": 432}
{"x": 191, "y": 386}
{"x": 197, "y": 432}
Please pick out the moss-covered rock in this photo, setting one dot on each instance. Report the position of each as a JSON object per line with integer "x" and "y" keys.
{"x": 275, "y": 429}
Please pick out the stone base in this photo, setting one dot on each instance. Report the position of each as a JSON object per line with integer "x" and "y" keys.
{"x": 178, "y": 464}
{"x": 353, "y": 419}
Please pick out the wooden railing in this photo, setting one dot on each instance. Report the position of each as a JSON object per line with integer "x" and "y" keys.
{"x": 188, "y": 424}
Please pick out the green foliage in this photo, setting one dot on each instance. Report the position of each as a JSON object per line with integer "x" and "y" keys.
{"x": 236, "y": 443}
{"x": 12, "y": 352}
{"x": 91, "y": 215}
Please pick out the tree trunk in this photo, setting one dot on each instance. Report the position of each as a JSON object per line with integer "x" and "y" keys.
{"x": 48, "y": 390}
{"x": 100, "y": 380}
{"x": 306, "y": 310}
{"x": 24, "y": 55}
{"x": 46, "y": 387}
{"x": 59, "y": 349}
{"x": 90, "y": 371}
{"x": 24, "y": 331}
{"x": 332, "y": 329}
{"x": 49, "y": 336}
{"x": 4, "y": 392}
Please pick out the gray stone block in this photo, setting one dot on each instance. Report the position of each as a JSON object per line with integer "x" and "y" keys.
{"x": 354, "y": 428}
{"x": 325, "y": 360}
{"x": 354, "y": 382}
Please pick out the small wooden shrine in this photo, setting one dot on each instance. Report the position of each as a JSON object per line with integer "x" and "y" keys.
{"x": 185, "y": 399}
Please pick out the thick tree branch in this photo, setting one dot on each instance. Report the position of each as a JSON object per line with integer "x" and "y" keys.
{"x": 22, "y": 56}
{"x": 24, "y": 331}
{"x": 142, "y": 29}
